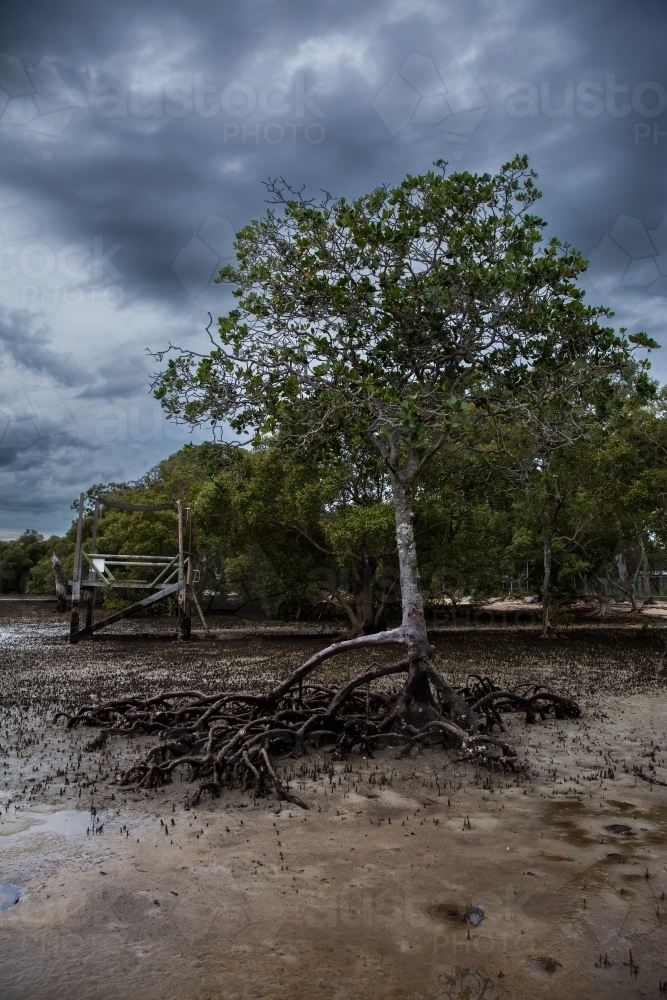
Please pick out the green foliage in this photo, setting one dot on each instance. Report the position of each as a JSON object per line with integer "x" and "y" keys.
{"x": 398, "y": 325}
{"x": 296, "y": 532}
{"x": 419, "y": 357}
{"x": 17, "y": 558}
{"x": 287, "y": 532}
{"x": 41, "y": 579}
{"x": 382, "y": 321}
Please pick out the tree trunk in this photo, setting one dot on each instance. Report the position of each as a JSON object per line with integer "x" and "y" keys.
{"x": 624, "y": 580}
{"x": 364, "y": 573}
{"x": 338, "y": 596}
{"x": 546, "y": 624}
{"x": 414, "y": 620}
{"x": 646, "y": 574}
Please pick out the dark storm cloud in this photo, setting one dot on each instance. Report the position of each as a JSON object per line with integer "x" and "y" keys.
{"x": 151, "y": 153}
{"x": 27, "y": 343}
{"x": 122, "y": 374}
{"x": 141, "y": 133}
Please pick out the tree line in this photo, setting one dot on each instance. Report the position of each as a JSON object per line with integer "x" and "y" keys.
{"x": 317, "y": 538}
{"x": 429, "y": 408}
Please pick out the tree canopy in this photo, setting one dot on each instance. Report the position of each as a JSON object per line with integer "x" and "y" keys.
{"x": 396, "y": 323}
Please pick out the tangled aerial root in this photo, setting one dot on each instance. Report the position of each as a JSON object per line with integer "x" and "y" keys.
{"x": 229, "y": 739}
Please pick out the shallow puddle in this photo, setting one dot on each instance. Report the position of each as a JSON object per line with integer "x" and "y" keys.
{"x": 656, "y": 832}
{"x": 9, "y": 895}
{"x": 562, "y": 816}
{"x": 63, "y": 822}
{"x": 36, "y": 636}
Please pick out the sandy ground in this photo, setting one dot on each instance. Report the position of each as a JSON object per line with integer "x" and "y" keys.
{"x": 366, "y": 894}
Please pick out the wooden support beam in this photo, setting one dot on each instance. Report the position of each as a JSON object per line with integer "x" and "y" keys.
{"x": 90, "y": 602}
{"x": 173, "y": 588}
{"x": 186, "y": 630}
{"x": 181, "y": 566}
{"x": 200, "y": 613}
{"x": 76, "y": 575}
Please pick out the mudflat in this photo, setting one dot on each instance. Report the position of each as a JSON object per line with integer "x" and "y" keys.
{"x": 417, "y": 877}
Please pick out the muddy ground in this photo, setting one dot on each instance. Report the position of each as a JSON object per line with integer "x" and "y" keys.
{"x": 376, "y": 891}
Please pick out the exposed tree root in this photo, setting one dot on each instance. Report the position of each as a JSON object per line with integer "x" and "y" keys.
{"x": 231, "y": 739}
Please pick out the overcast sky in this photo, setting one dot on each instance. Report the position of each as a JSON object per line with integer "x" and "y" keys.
{"x": 135, "y": 136}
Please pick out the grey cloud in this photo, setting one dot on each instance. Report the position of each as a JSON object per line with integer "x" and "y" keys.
{"x": 120, "y": 374}
{"x": 27, "y": 342}
{"x": 178, "y": 149}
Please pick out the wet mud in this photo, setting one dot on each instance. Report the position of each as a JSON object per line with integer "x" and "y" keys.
{"x": 410, "y": 878}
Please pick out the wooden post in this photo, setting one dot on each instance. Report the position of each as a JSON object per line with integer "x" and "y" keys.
{"x": 181, "y": 567}
{"x": 61, "y": 586}
{"x": 76, "y": 575}
{"x": 187, "y": 596}
{"x": 118, "y": 616}
{"x": 200, "y": 613}
{"x": 90, "y": 603}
